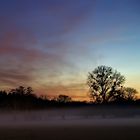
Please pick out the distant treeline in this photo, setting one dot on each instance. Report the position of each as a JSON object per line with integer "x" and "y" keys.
{"x": 22, "y": 98}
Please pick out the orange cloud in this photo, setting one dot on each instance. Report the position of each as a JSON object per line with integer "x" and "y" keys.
{"x": 22, "y": 61}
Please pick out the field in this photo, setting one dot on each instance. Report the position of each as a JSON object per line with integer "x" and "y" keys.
{"x": 71, "y": 124}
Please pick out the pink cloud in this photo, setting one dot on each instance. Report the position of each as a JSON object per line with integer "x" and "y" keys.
{"x": 21, "y": 61}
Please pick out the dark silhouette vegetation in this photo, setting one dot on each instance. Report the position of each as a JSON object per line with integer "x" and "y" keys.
{"x": 64, "y": 99}
{"x": 23, "y": 98}
{"x": 106, "y": 88}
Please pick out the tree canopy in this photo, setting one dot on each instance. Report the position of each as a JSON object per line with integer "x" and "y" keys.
{"x": 105, "y": 84}
{"x": 64, "y": 99}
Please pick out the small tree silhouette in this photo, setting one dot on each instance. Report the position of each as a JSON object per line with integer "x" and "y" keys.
{"x": 130, "y": 93}
{"x": 104, "y": 84}
{"x": 64, "y": 99}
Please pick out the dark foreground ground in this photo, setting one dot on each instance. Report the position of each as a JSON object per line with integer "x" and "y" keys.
{"x": 71, "y": 133}
{"x": 72, "y": 124}
{"x": 99, "y": 129}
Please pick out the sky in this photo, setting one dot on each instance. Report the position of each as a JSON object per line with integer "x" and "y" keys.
{"x": 51, "y": 45}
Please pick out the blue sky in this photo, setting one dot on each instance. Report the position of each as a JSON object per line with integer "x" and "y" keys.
{"x": 52, "y": 45}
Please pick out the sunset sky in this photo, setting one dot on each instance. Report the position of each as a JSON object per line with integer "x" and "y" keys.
{"x": 51, "y": 45}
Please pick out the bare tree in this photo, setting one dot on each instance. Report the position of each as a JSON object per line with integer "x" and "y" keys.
{"x": 104, "y": 82}
{"x": 64, "y": 98}
{"x": 130, "y": 93}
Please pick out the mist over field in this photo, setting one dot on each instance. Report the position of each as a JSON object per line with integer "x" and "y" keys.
{"x": 71, "y": 123}
{"x": 68, "y": 114}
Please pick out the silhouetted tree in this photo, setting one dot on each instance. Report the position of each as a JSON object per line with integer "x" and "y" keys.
{"x": 64, "y": 99}
{"x": 18, "y": 91}
{"x": 3, "y": 93}
{"x": 130, "y": 93}
{"x": 3, "y": 97}
{"x": 104, "y": 83}
{"x": 22, "y": 91}
{"x": 125, "y": 94}
{"x": 21, "y": 97}
{"x": 29, "y": 91}
{"x": 119, "y": 95}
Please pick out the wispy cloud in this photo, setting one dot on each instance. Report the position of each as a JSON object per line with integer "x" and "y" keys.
{"x": 35, "y": 46}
